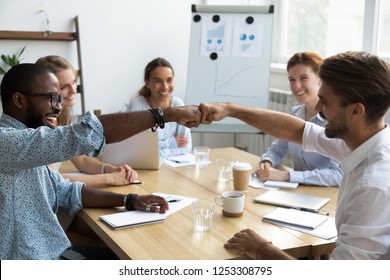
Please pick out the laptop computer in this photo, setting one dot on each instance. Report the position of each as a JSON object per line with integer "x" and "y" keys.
{"x": 299, "y": 201}
{"x": 140, "y": 151}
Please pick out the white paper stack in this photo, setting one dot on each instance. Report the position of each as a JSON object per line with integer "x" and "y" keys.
{"x": 307, "y": 222}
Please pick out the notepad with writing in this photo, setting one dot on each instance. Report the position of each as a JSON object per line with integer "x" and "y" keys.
{"x": 295, "y": 217}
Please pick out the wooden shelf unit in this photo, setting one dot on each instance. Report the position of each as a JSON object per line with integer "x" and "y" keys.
{"x": 53, "y": 36}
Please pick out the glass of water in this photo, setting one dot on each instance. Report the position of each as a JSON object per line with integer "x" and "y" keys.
{"x": 224, "y": 170}
{"x": 203, "y": 211}
{"x": 201, "y": 154}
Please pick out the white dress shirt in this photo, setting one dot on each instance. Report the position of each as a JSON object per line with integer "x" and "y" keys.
{"x": 363, "y": 205}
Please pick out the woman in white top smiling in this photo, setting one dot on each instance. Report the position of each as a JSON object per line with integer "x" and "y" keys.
{"x": 157, "y": 91}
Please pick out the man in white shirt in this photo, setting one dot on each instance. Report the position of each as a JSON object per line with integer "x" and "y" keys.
{"x": 354, "y": 97}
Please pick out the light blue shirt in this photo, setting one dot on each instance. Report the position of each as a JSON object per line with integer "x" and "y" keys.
{"x": 31, "y": 192}
{"x": 309, "y": 168}
{"x": 167, "y": 141}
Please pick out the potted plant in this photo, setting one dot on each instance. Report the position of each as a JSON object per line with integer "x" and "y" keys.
{"x": 11, "y": 61}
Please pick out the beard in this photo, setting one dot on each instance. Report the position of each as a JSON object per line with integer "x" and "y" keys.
{"x": 338, "y": 132}
{"x": 337, "y": 128}
{"x": 34, "y": 121}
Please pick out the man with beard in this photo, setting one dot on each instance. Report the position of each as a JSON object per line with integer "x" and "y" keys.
{"x": 354, "y": 98}
{"x": 31, "y": 192}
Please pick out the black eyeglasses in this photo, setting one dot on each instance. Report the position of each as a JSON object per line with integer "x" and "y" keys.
{"x": 55, "y": 98}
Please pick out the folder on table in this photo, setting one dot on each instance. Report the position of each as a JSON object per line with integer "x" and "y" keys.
{"x": 293, "y": 200}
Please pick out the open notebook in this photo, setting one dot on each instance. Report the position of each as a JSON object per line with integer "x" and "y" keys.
{"x": 140, "y": 151}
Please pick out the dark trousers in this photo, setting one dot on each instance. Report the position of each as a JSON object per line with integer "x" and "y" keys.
{"x": 88, "y": 253}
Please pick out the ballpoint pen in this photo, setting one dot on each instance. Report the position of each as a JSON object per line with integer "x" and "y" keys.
{"x": 136, "y": 182}
{"x": 179, "y": 161}
{"x": 172, "y": 200}
{"x": 311, "y": 211}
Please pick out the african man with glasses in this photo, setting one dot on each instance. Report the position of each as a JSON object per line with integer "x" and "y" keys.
{"x": 30, "y": 191}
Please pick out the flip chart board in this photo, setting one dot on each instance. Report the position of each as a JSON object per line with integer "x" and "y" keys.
{"x": 229, "y": 59}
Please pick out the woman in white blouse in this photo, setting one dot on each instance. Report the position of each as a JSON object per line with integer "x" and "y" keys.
{"x": 157, "y": 91}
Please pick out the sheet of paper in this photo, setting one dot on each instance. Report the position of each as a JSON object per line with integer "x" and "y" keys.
{"x": 326, "y": 230}
{"x": 256, "y": 183}
{"x": 182, "y": 160}
{"x": 280, "y": 185}
{"x": 180, "y": 202}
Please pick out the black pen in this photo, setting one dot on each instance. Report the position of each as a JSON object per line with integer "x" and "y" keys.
{"x": 179, "y": 161}
{"x": 173, "y": 200}
{"x": 136, "y": 182}
{"x": 311, "y": 211}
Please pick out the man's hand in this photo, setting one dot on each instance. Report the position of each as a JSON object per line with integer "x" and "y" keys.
{"x": 246, "y": 241}
{"x": 213, "y": 112}
{"x": 188, "y": 116}
{"x": 151, "y": 203}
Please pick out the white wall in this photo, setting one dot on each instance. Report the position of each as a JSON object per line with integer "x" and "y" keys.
{"x": 118, "y": 38}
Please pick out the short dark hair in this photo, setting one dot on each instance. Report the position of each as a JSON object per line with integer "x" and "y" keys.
{"x": 359, "y": 77}
{"x": 20, "y": 78}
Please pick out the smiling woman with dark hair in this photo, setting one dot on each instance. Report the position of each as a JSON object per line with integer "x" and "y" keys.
{"x": 157, "y": 91}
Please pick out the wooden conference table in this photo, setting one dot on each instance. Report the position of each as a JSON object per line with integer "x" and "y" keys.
{"x": 175, "y": 238}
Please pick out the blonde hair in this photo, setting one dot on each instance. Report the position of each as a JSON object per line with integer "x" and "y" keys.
{"x": 57, "y": 64}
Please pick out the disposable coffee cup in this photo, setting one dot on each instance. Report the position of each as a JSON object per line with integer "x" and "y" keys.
{"x": 241, "y": 174}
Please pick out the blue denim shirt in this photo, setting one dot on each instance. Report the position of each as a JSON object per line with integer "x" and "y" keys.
{"x": 30, "y": 192}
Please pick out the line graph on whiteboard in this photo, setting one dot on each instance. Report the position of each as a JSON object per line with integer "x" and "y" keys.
{"x": 228, "y": 85}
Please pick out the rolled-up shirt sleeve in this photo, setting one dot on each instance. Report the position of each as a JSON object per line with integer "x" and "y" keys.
{"x": 315, "y": 140}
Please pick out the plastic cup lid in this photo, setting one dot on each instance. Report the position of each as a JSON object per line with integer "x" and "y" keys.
{"x": 241, "y": 166}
